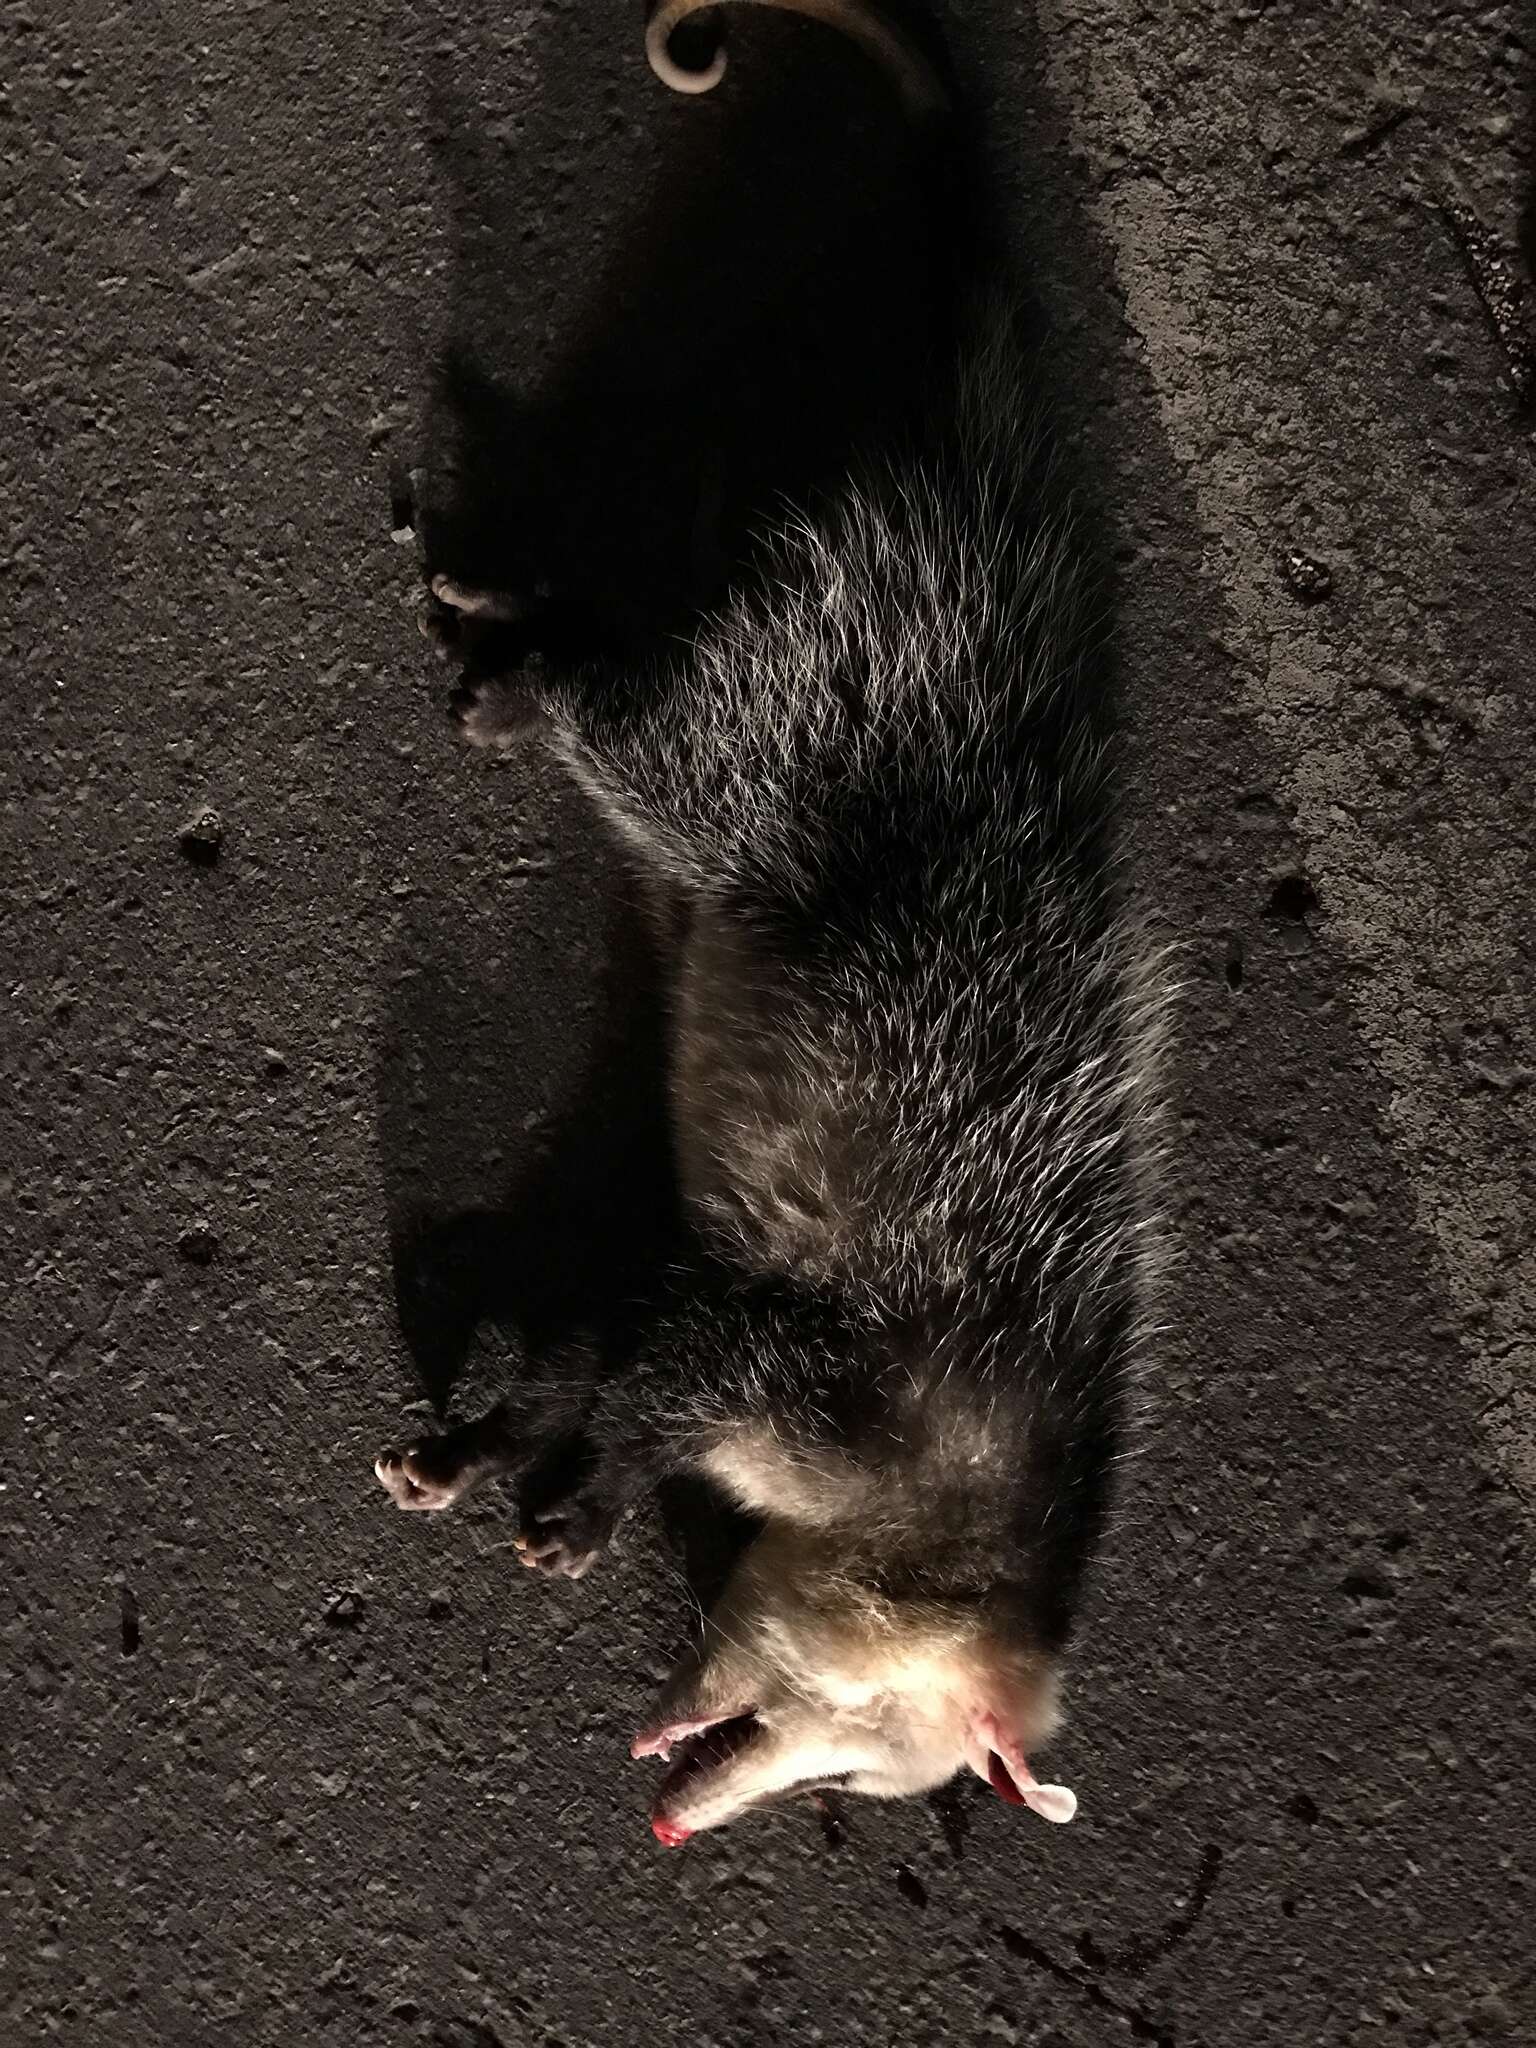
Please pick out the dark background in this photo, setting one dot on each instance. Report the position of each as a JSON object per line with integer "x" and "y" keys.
{"x": 280, "y": 1765}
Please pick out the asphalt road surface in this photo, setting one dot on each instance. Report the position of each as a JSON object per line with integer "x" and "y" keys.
{"x": 313, "y": 1018}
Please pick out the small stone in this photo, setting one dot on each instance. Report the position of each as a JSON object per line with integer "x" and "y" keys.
{"x": 1308, "y": 578}
{"x": 198, "y": 1246}
{"x": 1490, "y": 2017}
{"x": 202, "y": 838}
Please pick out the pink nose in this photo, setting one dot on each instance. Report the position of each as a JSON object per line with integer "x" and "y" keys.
{"x": 670, "y": 1832}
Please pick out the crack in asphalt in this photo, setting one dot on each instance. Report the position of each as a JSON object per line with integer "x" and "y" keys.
{"x": 1142, "y": 2027}
{"x": 1135, "y": 1959}
{"x": 1139, "y": 1955}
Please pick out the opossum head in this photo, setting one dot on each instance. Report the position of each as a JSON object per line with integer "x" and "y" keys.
{"x": 808, "y": 1677}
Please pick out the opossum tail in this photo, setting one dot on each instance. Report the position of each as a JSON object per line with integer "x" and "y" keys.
{"x": 914, "y": 76}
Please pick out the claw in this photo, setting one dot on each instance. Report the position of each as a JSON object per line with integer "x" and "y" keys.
{"x": 475, "y": 604}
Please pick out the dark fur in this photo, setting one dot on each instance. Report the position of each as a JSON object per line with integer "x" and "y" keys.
{"x": 914, "y": 1025}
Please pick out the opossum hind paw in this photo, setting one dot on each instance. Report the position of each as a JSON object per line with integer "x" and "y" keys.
{"x": 499, "y": 607}
{"x": 495, "y": 711}
{"x": 427, "y": 1477}
{"x": 567, "y": 1538}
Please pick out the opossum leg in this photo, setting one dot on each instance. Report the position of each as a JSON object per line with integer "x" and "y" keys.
{"x": 440, "y": 626}
{"x": 508, "y": 648}
{"x": 664, "y": 1414}
{"x": 499, "y": 606}
{"x": 565, "y": 1531}
{"x": 485, "y": 633}
{"x": 498, "y": 695}
{"x": 568, "y": 1524}
{"x": 438, "y": 1471}
{"x": 460, "y": 619}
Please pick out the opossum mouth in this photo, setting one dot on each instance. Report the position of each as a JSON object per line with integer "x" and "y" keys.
{"x": 706, "y": 1750}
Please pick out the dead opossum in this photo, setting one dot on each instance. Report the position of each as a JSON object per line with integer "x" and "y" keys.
{"x": 887, "y": 43}
{"x": 912, "y": 1076}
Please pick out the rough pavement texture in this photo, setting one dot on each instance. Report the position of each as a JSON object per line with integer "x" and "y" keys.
{"x": 293, "y": 982}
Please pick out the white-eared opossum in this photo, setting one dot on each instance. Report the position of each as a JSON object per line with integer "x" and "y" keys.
{"x": 913, "y": 1078}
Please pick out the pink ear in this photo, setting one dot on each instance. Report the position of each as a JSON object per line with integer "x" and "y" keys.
{"x": 995, "y": 1755}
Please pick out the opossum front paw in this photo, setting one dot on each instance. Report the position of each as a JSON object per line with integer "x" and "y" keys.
{"x": 427, "y": 1477}
{"x": 496, "y": 711}
{"x": 567, "y": 1538}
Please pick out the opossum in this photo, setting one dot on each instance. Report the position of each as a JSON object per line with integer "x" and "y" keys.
{"x": 914, "y": 1052}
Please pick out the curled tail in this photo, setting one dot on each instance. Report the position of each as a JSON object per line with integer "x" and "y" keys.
{"x": 892, "y": 48}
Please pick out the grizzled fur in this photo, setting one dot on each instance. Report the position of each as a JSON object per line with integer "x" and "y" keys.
{"x": 913, "y": 1058}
